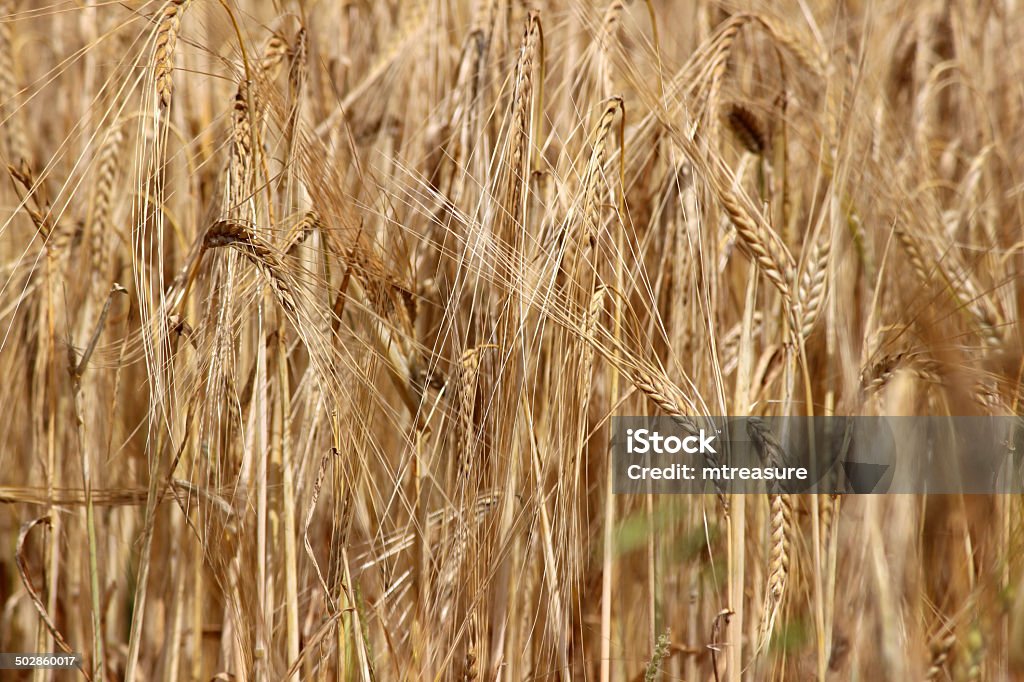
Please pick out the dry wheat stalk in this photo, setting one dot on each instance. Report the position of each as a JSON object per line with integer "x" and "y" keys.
{"x": 301, "y": 230}
{"x": 590, "y": 324}
{"x": 813, "y": 283}
{"x": 522, "y": 111}
{"x": 730, "y": 343}
{"x": 959, "y": 284}
{"x": 464, "y": 116}
{"x": 15, "y": 139}
{"x": 879, "y": 373}
{"x": 917, "y": 261}
{"x": 167, "y": 30}
{"x": 747, "y": 127}
{"x": 787, "y": 37}
{"x": 984, "y": 310}
{"x": 707, "y": 73}
{"x": 708, "y": 81}
{"x": 241, "y": 146}
{"x": 390, "y": 296}
{"x": 101, "y": 221}
{"x": 759, "y": 241}
{"x": 757, "y": 238}
{"x": 666, "y": 395}
{"x": 275, "y": 51}
{"x": 594, "y": 172}
{"x": 589, "y": 225}
{"x": 940, "y": 650}
{"x": 36, "y": 191}
{"x": 413, "y": 17}
{"x": 469, "y": 369}
{"x": 780, "y": 529}
{"x": 299, "y": 56}
{"x": 23, "y": 572}
{"x": 830, "y": 506}
{"x": 60, "y": 234}
{"x": 609, "y": 26}
{"x": 262, "y": 255}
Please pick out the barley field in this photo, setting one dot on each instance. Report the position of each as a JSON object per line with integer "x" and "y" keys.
{"x": 314, "y": 316}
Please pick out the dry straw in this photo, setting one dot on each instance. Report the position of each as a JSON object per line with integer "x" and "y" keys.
{"x": 167, "y": 28}
{"x": 312, "y": 348}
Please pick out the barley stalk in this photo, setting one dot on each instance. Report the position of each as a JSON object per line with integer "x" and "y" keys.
{"x": 241, "y": 146}
{"x": 747, "y": 127}
{"x": 168, "y": 26}
{"x": 262, "y": 255}
{"x": 522, "y": 110}
{"x": 101, "y": 225}
{"x": 15, "y": 139}
{"x": 609, "y": 27}
{"x": 813, "y": 283}
{"x": 940, "y": 650}
{"x": 780, "y": 531}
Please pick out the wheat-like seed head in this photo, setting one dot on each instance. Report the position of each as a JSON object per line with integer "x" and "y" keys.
{"x": 609, "y": 27}
{"x": 747, "y": 127}
{"x": 108, "y": 172}
{"x": 757, "y": 239}
{"x": 299, "y": 54}
{"x": 262, "y": 255}
{"x": 468, "y": 373}
{"x": 797, "y": 45}
{"x": 880, "y": 372}
{"x": 163, "y": 51}
{"x": 592, "y": 178}
{"x": 940, "y": 651}
{"x": 780, "y": 528}
{"x": 590, "y": 325}
{"x": 241, "y": 145}
{"x": 813, "y": 283}
{"x": 959, "y": 285}
{"x": 302, "y": 230}
{"x": 14, "y": 137}
{"x": 40, "y": 212}
{"x": 522, "y": 109}
{"x": 779, "y": 556}
{"x": 275, "y": 51}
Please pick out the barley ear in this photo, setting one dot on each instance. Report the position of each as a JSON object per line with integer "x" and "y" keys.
{"x": 163, "y": 51}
